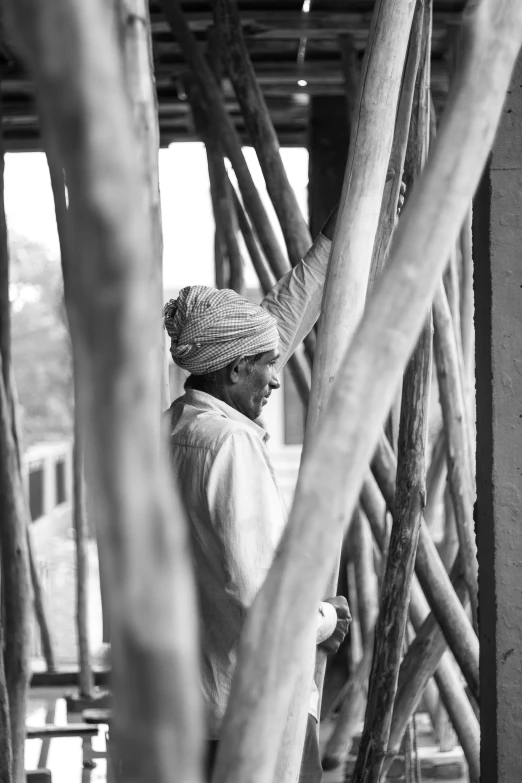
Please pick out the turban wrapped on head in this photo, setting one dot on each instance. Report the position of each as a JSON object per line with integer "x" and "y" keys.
{"x": 210, "y": 328}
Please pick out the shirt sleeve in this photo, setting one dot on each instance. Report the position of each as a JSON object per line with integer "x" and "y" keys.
{"x": 295, "y": 301}
{"x": 246, "y": 513}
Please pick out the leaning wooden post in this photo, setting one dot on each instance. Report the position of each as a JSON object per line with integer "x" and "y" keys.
{"x": 434, "y": 578}
{"x": 260, "y": 129}
{"x": 86, "y": 117}
{"x": 270, "y": 663}
{"x": 410, "y": 499}
{"x": 457, "y": 441}
{"x": 390, "y": 200}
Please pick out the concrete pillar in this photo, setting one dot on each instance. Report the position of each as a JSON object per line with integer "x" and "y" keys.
{"x": 497, "y": 246}
{"x": 328, "y": 143}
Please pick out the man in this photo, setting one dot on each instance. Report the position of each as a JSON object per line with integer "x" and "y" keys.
{"x": 233, "y": 350}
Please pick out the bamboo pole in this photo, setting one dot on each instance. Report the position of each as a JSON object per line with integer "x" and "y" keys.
{"x": 390, "y": 199}
{"x": 454, "y": 417}
{"x": 434, "y": 579}
{"x": 260, "y": 129}
{"x": 410, "y": 499}
{"x": 70, "y": 51}
{"x": 269, "y": 664}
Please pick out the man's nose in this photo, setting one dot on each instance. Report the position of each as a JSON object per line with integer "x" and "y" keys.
{"x": 274, "y": 381}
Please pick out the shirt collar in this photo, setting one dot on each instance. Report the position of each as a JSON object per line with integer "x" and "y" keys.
{"x": 204, "y": 401}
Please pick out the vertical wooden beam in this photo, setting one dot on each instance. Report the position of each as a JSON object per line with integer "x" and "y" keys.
{"x": 71, "y": 52}
{"x": 86, "y": 678}
{"x": 136, "y": 43}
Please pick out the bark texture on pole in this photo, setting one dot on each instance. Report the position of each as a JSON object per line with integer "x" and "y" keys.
{"x": 426, "y": 657}
{"x": 270, "y": 664}
{"x": 260, "y": 129}
{"x": 455, "y": 420}
{"x": 410, "y": 501}
{"x": 434, "y": 579}
{"x": 71, "y": 52}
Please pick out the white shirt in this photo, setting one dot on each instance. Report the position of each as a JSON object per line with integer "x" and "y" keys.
{"x": 235, "y": 511}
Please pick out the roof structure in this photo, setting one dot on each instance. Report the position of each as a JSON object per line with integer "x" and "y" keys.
{"x": 295, "y": 46}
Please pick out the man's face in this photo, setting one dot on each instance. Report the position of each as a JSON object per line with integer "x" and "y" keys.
{"x": 256, "y": 385}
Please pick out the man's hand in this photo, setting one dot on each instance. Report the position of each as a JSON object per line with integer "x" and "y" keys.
{"x": 344, "y": 618}
{"x": 402, "y": 194}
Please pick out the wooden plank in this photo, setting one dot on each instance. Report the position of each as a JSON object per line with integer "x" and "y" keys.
{"x": 49, "y": 731}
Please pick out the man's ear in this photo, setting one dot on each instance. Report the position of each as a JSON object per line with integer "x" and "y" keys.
{"x": 236, "y": 369}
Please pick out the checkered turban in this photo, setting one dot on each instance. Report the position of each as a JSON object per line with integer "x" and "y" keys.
{"x": 210, "y": 328}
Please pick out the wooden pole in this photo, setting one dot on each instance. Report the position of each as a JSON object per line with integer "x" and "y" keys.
{"x": 410, "y": 499}
{"x": 136, "y": 44}
{"x": 390, "y": 199}
{"x": 70, "y": 51}
{"x": 40, "y": 608}
{"x": 260, "y": 128}
{"x": 434, "y": 578}
{"x": 350, "y": 259}
{"x": 426, "y": 657}
{"x": 85, "y": 679}
{"x": 270, "y": 664}
{"x": 361, "y": 552}
{"x": 455, "y": 418}
{"x": 410, "y": 495}
{"x": 17, "y": 595}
